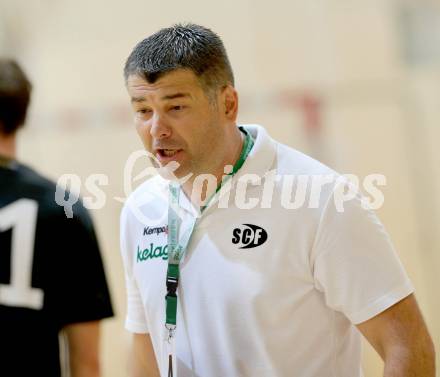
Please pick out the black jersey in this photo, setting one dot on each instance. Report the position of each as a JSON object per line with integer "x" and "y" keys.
{"x": 51, "y": 273}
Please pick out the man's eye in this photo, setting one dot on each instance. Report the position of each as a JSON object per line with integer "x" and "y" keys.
{"x": 177, "y": 107}
{"x": 143, "y": 111}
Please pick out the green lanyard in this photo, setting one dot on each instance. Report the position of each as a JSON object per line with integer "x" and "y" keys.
{"x": 176, "y": 250}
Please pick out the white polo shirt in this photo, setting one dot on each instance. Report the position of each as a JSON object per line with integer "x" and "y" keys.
{"x": 263, "y": 291}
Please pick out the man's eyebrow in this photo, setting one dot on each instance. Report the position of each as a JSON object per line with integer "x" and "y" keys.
{"x": 164, "y": 98}
{"x": 176, "y": 95}
{"x": 137, "y": 99}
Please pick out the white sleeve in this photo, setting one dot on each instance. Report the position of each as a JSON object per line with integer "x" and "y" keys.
{"x": 135, "y": 320}
{"x": 355, "y": 264}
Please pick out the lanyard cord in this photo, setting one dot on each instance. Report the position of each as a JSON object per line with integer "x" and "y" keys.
{"x": 176, "y": 250}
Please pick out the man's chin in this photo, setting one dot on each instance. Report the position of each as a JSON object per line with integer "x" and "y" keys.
{"x": 172, "y": 173}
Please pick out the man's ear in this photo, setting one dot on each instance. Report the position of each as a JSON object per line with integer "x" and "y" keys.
{"x": 230, "y": 103}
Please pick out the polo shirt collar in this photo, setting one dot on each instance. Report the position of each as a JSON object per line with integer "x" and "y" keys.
{"x": 262, "y": 154}
{"x": 258, "y": 162}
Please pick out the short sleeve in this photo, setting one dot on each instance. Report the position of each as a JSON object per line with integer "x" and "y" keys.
{"x": 135, "y": 320}
{"x": 80, "y": 292}
{"x": 355, "y": 264}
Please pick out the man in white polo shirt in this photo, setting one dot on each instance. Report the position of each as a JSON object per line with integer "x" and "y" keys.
{"x": 238, "y": 258}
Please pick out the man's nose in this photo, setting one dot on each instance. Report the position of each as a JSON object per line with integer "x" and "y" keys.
{"x": 159, "y": 128}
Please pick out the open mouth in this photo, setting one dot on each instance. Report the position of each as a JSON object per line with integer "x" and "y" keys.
{"x": 167, "y": 153}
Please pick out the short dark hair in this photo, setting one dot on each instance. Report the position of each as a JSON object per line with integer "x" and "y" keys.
{"x": 182, "y": 46}
{"x": 15, "y": 94}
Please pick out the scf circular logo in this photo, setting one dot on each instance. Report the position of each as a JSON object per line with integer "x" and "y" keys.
{"x": 248, "y": 236}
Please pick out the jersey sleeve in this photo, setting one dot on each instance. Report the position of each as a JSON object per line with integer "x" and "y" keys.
{"x": 135, "y": 320}
{"x": 355, "y": 264}
{"x": 82, "y": 292}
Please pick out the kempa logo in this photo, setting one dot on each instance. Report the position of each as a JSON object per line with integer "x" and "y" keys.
{"x": 249, "y": 236}
{"x": 152, "y": 252}
{"x": 157, "y": 230}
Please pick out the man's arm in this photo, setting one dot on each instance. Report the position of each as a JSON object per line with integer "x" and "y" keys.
{"x": 400, "y": 336}
{"x": 83, "y": 340}
{"x": 142, "y": 361}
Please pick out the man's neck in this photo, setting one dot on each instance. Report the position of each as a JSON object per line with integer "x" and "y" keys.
{"x": 7, "y": 146}
{"x": 231, "y": 158}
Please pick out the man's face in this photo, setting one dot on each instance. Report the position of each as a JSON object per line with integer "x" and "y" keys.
{"x": 176, "y": 121}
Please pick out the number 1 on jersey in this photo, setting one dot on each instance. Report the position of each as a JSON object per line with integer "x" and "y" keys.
{"x": 21, "y": 216}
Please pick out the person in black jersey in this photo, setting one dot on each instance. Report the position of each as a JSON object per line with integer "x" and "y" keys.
{"x": 51, "y": 273}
